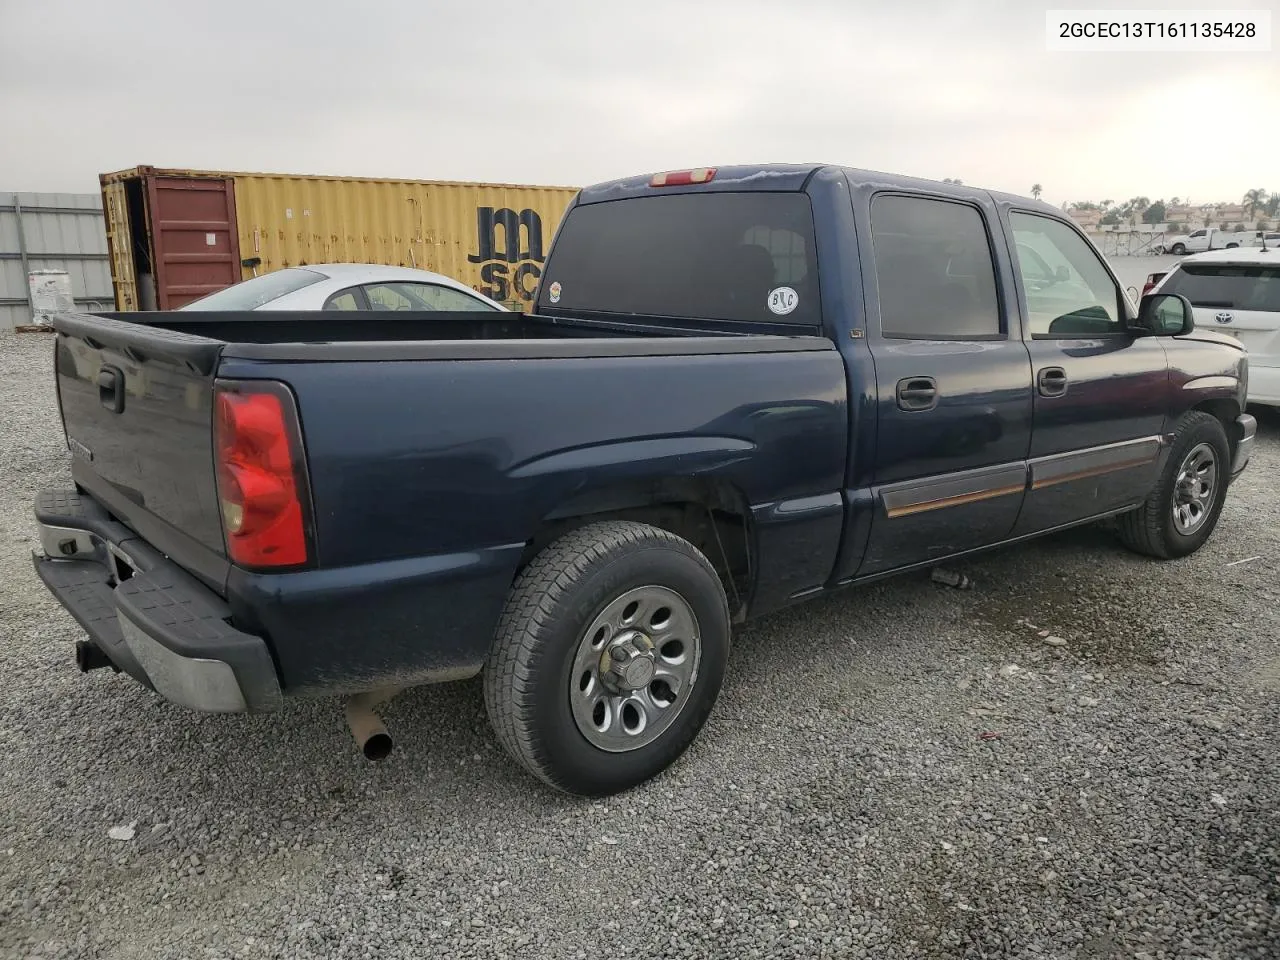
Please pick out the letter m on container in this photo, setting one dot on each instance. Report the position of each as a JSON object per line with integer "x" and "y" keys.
{"x": 263, "y": 491}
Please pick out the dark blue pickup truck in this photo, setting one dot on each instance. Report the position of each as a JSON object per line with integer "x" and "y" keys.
{"x": 740, "y": 388}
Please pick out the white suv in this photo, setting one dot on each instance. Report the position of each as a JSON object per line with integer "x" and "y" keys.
{"x": 1237, "y": 292}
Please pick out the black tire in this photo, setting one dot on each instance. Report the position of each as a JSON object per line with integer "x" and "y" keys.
{"x": 1232, "y": 246}
{"x": 553, "y": 602}
{"x": 1178, "y": 249}
{"x": 1150, "y": 529}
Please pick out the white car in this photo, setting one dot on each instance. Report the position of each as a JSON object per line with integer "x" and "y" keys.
{"x": 1237, "y": 292}
{"x": 347, "y": 286}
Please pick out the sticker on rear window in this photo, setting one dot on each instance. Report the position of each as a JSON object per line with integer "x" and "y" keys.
{"x": 782, "y": 300}
{"x": 553, "y": 294}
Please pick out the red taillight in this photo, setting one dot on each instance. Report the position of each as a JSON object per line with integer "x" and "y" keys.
{"x": 262, "y": 488}
{"x": 682, "y": 178}
{"x": 1152, "y": 280}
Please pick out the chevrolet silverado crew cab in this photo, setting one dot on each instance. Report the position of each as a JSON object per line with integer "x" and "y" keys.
{"x": 739, "y": 388}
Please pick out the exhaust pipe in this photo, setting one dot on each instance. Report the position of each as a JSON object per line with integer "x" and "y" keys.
{"x": 371, "y": 736}
{"x": 89, "y": 656}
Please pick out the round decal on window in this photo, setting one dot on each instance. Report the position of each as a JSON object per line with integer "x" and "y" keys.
{"x": 782, "y": 300}
{"x": 553, "y": 293}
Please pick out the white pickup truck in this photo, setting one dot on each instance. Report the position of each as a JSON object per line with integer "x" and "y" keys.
{"x": 1214, "y": 238}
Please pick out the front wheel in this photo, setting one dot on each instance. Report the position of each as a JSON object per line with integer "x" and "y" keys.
{"x": 1181, "y": 512}
{"x": 1178, "y": 249}
{"x": 608, "y": 658}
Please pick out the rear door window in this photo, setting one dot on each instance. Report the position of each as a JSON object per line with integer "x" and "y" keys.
{"x": 344, "y": 300}
{"x": 1228, "y": 285}
{"x": 719, "y": 256}
{"x": 934, "y": 270}
{"x": 401, "y": 295}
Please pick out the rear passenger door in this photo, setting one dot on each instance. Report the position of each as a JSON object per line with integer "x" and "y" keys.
{"x": 1101, "y": 391}
{"x": 953, "y": 382}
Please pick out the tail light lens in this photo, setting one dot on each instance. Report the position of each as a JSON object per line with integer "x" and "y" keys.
{"x": 262, "y": 482}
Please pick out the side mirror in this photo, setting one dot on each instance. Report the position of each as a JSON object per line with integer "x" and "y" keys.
{"x": 1166, "y": 314}
{"x": 1062, "y": 274}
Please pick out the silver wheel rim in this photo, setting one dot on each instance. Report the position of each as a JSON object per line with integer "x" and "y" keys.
{"x": 1194, "y": 488}
{"x": 635, "y": 669}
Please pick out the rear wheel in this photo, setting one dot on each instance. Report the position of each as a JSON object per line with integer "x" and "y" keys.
{"x": 1181, "y": 512}
{"x": 608, "y": 658}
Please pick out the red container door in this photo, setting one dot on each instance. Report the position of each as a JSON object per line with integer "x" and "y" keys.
{"x": 194, "y": 245}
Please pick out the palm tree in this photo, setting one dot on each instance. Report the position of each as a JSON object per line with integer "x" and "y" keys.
{"x": 1175, "y": 201}
{"x": 1036, "y": 190}
{"x": 1253, "y": 199}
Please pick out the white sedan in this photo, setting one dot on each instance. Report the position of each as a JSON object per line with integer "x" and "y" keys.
{"x": 347, "y": 286}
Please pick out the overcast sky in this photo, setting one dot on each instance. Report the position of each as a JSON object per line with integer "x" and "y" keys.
{"x": 567, "y": 92}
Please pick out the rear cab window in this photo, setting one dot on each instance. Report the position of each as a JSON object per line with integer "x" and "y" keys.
{"x": 746, "y": 257}
{"x": 1231, "y": 286}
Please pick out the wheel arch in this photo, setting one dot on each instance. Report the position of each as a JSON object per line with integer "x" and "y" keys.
{"x": 711, "y": 513}
{"x": 1225, "y": 410}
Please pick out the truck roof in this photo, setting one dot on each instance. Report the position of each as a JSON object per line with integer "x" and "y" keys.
{"x": 784, "y": 177}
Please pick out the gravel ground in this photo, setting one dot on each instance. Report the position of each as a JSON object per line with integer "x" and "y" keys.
{"x": 905, "y": 770}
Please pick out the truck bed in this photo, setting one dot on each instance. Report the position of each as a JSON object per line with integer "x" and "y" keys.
{"x": 432, "y": 463}
{"x": 199, "y": 340}
{"x": 333, "y": 326}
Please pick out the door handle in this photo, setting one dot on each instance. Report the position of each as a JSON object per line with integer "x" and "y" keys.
{"x": 111, "y": 388}
{"x": 1052, "y": 382}
{"x": 917, "y": 393}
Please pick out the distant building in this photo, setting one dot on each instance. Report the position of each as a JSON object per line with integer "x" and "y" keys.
{"x": 1178, "y": 218}
{"x": 1087, "y": 219}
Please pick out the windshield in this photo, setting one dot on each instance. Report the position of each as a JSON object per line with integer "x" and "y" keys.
{"x": 718, "y": 256}
{"x": 1234, "y": 286}
{"x": 250, "y": 294}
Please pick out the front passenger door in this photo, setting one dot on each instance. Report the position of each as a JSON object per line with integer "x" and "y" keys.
{"x": 1100, "y": 392}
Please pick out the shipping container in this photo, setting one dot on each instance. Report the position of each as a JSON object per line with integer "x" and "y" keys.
{"x": 177, "y": 235}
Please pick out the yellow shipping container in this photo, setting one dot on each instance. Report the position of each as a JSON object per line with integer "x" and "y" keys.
{"x": 176, "y": 235}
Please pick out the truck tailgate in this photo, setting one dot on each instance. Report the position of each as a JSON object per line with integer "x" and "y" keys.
{"x": 136, "y": 404}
